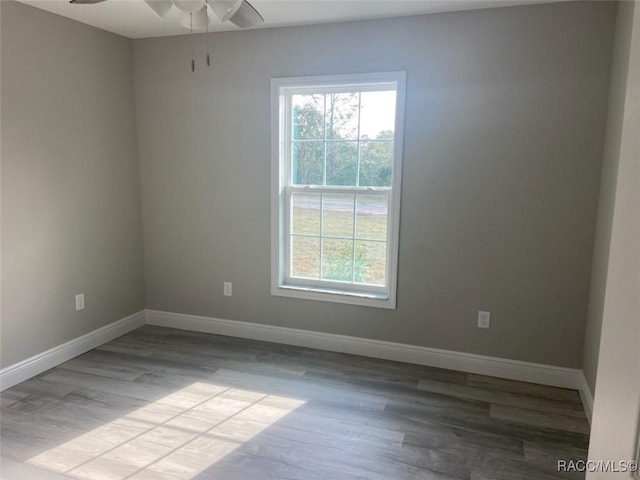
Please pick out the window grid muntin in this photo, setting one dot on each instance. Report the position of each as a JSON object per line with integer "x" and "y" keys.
{"x": 353, "y": 225}
{"x": 336, "y": 237}
{"x": 338, "y": 140}
{"x": 324, "y": 160}
{"x": 358, "y": 152}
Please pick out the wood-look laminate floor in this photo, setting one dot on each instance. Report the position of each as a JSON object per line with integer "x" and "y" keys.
{"x": 168, "y": 404}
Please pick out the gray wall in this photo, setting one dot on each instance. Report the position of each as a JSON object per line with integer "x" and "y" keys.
{"x": 0, "y": 177}
{"x": 70, "y": 184}
{"x": 616, "y": 414}
{"x": 503, "y": 143}
{"x": 607, "y": 195}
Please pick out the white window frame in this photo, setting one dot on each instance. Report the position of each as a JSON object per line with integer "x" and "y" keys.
{"x": 323, "y": 290}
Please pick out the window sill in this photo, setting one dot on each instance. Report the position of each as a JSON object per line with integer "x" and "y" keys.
{"x": 336, "y": 296}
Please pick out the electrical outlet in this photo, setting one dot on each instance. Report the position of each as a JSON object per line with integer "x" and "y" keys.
{"x": 484, "y": 319}
{"x": 79, "y": 301}
{"x": 227, "y": 289}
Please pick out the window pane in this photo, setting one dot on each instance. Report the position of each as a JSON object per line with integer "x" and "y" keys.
{"x": 307, "y": 163}
{"x": 305, "y": 213}
{"x": 337, "y": 259}
{"x": 305, "y": 257}
{"x": 307, "y": 119}
{"x": 342, "y": 115}
{"x": 371, "y": 217}
{"x": 376, "y": 159}
{"x": 337, "y": 215}
{"x": 342, "y": 163}
{"x": 371, "y": 259}
{"x": 378, "y": 114}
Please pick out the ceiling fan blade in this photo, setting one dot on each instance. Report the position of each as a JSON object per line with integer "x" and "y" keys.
{"x": 239, "y": 12}
{"x": 160, "y": 7}
{"x": 85, "y": 2}
{"x": 246, "y": 16}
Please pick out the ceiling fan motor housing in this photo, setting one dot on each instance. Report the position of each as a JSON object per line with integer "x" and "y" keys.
{"x": 189, "y": 6}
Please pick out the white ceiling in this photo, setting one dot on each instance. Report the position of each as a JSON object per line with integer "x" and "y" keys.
{"x": 134, "y": 19}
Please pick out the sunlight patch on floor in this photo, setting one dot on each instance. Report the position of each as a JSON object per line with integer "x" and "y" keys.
{"x": 175, "y": 437}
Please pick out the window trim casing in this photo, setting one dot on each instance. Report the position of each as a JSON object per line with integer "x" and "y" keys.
{"x": 279, "y": 185}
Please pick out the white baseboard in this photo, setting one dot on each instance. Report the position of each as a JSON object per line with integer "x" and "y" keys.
{"x": 585, "y": 395}
{"x": 432, "y": 357}
{"x": 21, "y": 371}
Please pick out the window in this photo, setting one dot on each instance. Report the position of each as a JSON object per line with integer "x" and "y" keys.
{"x": 337, "y": 149}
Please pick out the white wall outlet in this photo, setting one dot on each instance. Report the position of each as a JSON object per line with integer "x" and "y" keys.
{"x": 80, "y": 301}
{"x": 227, "y": 289}
{"x": 484, "y": 319}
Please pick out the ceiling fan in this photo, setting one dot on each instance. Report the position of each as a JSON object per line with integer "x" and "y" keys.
{"x": 239, "y": 12}
{"x": 195, "y": 14}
